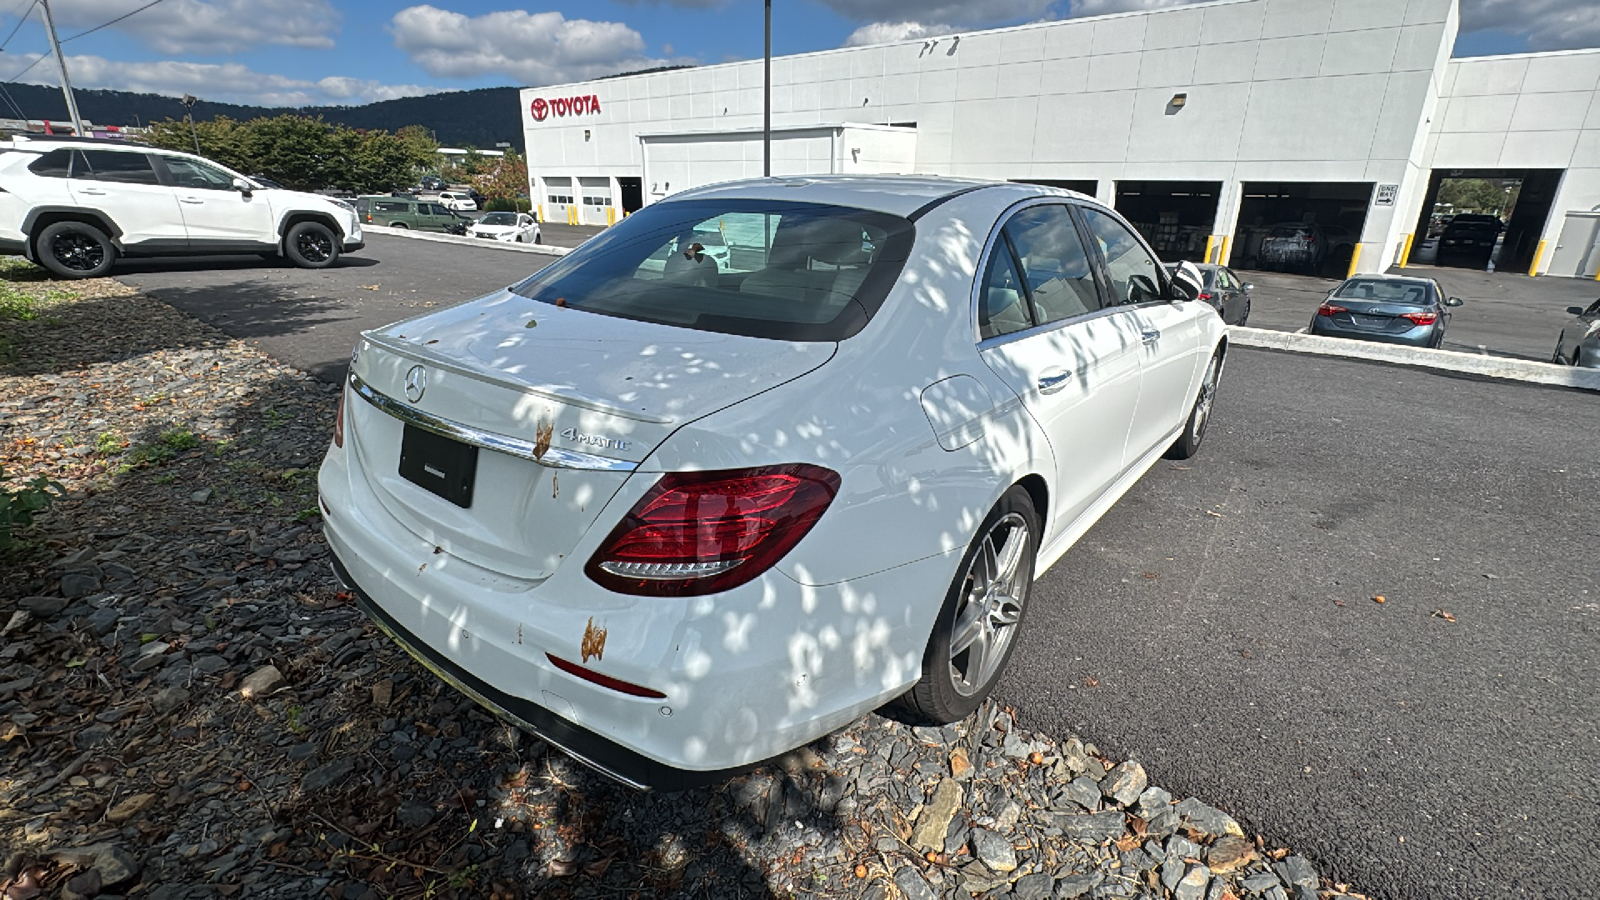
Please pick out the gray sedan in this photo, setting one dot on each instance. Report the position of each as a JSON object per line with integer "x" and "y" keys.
{"x": 1225, "y": 291}
{"x": 1388, "y": 309}
{"x": 1579, "y": 344}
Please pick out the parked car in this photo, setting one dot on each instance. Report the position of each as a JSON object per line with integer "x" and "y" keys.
{"x": 1227, "y": 293}
{"x": 519, "y": 228}
{"x": 76, "y": 206}
{"x": 457, "y": 200}
{"x": 409, "y": 212}
{"x": 430, "y": 183}
{"x": 1469, "y": 240}
{"x": 1304, "y": 247}
{"x": 678, "y": 521}
{"x": 1387, "y": 308}
{"x": 1579, "y": 343}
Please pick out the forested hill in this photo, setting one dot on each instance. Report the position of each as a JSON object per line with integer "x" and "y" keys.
{"x": 477, "y": 118}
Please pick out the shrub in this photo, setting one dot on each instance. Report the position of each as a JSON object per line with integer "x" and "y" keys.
{"x": 500, "y": 204}
{"x": 17, "y": 505}
{"x": 524, "y": 204}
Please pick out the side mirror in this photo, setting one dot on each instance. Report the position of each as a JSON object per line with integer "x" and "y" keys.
{"x": 1575, "y": 310}
{"x": 1453, "y": 301}
{"x": 243, "y": 187}
{"x": 1187, "y": 282}
{"x": 1248, "y": 286}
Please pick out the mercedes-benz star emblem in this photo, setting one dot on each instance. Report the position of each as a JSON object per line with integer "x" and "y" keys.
{"x": 416, "y": 383}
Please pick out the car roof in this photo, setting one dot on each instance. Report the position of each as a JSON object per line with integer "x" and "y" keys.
{"x": 900, "y": 195}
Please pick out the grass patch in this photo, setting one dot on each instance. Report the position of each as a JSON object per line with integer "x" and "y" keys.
{"x": 180, "y": 438}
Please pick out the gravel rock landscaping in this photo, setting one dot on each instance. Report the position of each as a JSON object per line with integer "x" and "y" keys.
{"x": 190, "y": 707}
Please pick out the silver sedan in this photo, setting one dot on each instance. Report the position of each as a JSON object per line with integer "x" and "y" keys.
{"x": 1579, "y": 344}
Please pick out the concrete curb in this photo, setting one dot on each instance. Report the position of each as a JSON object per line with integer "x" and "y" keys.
{"x": 1444, "y": 360}
{"x": 544, "y": 249}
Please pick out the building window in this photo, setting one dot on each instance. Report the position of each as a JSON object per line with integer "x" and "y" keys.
{"x": 597, "y": 201}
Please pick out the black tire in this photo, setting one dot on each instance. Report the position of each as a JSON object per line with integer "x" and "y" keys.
{"x": 311, "y": 245}
{"x": 398, "y": 225}
{"x": 538, "y": 237}
{"x": 1556, "y": 357}
{"x": 1194, "y": 429}
{"x": 74, "y": 250}
{"x": 954, "y": 684}
{"x": 1245, "y": 316}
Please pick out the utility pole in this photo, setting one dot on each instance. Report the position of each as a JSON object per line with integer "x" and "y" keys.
{"x": 767, "y": 98}
{"x": 66, "y": 83}
{"x": 188, "y": 102}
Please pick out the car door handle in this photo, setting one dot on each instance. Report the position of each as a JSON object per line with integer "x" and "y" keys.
{"x": 93, "y": 192}
{"x": 1150, "y": 336}
{"x": 195, "y": 200}
{"x": 1050, "y": 383}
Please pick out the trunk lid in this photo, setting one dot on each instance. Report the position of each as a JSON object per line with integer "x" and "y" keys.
{"x": 1382, "y": 317}
{"x": 591, "y": 395}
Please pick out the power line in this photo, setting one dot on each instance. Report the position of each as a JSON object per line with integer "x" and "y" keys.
{"x": 42, "y": 58}
{"x": 110, "y": 23}
{"x": 20, "y": 19}
{"x": 12, "y": 103}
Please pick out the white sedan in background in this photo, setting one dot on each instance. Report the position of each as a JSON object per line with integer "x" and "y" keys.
{"x": 517, "y": 228}
{"x": 458, "y": 201}
{"x": 678, "y": 514}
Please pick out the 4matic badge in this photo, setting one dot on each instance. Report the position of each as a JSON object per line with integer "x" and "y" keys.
{"x": 594, "y": 440}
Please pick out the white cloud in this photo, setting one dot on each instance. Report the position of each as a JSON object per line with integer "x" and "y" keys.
{"x": 970, "y": 13}
{"x": 890, "y": 32}
{"x": 1547, "y": 24}
{"x": 206, "y": 26}
{"x": 533, "y": 48}
{"x": 220, "y": 82}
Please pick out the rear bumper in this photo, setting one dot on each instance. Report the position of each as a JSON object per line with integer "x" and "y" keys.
{"x": 1420, "y": 336}
{"x": 357, "y": 244}
{"x": 605, "y": 756}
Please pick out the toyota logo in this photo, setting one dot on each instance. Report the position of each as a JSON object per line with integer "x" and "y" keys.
{"x": 539, "y": 108}
{"x": 416, "y": 383}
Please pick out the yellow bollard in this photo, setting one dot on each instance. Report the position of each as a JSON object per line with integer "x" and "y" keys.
{"x": 1405, "y": 253}
{"x": 1210, "y": 239}
{"x": 1538, "y": 253}
{"x": 1227, "y": 244}
{"x": 1355, "y": 260}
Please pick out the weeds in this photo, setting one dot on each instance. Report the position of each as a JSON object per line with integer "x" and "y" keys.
{"x": 110, "y": 443}
{"x": 18, "y": 504}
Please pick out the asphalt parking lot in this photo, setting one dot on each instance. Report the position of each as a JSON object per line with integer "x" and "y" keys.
{"x": 1503, "y": 314}
{"x": 1218, "y": 624}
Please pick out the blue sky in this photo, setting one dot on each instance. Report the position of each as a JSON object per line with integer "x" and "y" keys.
{"x": 296, "y": 52}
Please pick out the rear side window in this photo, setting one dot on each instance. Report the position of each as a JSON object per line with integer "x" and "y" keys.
{"x": 55, "y": 164}
{"x": 191, "y": 173}
{"x": 785, "y": 270}
{"x": 109, "y": 165}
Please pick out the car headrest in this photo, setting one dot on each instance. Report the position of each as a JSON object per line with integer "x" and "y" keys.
{"x": 832, "y": 241}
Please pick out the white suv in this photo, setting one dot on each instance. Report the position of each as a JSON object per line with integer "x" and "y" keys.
{"x": 74, "y": 206}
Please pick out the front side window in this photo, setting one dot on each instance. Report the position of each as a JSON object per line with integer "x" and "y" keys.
{"x": 109, "y": 165}
{"x": 1135, "y": 274}
{"x": 777, "y": 269}
{"x": 191, "y": 173}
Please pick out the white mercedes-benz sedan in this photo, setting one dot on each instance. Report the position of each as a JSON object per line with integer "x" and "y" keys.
{"x": 678, "y": 514}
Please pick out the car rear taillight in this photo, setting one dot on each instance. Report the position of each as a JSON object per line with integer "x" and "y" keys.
{"x": 338, "y": 423}
{"x": 1203, "y": 295}
{"x": 1420, "y": 318}
{"x": 1328, "y": 309}
{"x": 702, "y": 532}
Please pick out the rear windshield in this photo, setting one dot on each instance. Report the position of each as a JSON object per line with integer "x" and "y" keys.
{"x": 1472, "y": 227}
{"x": 1410, "y": 293}
{"x": 784, "y": 270}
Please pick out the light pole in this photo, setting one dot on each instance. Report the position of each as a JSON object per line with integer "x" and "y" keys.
{"x": 188, "y": 102}
{"x": 766, "y": 100}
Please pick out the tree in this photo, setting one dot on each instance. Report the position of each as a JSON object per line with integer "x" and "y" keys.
{"x": 305, "y": 152}
{"x": 507, "y": 180}
{"x": 1478, "y": 195}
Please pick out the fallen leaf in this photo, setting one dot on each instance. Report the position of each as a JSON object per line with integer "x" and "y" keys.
{"x": 1216, "y": 514}
{"x": 1246, "y": 654}
{"x": 1441, "y": 614}
{"x": 369, "y": 287}
{"x": 598, "y": 868}
{"x": 1338, "y": 603}
{"x": 1091, "y": 682}
{"x": 561, "y": 868}
{"x": 1380, "y": 599}
{"x": 1149, "y": 575}
{"x": 861, "y": 871}
{"x": 1127, "y": 842}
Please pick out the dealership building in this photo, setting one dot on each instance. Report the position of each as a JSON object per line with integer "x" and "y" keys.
{"x": 1206, "y": 125}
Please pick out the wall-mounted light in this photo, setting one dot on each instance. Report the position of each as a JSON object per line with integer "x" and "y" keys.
{"x": 586, "y": 134}
{"x": 1178, "y": 101}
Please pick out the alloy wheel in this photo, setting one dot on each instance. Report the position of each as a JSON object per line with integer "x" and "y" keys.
{"x": 993, "y": 594}
{"x": 78, "y": 252}
{"x": 1202, "y": 403}
{"x": 314, "y": 247}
